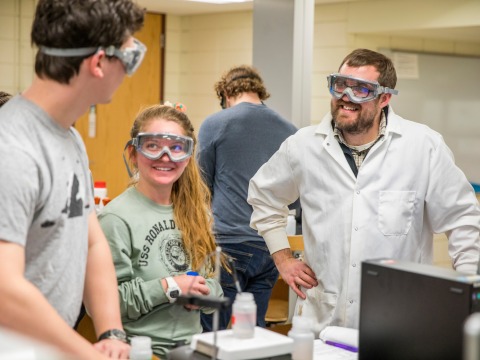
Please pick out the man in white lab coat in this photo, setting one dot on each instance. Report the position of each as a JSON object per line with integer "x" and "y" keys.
{"x": 371, "y": 185}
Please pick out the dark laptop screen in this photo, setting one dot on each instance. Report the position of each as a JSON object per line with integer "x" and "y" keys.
{"x": 414, "y": 311}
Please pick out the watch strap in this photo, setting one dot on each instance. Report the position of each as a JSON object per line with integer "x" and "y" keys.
{"x": 173, "y": 290}
{"x": 114, "y": 334}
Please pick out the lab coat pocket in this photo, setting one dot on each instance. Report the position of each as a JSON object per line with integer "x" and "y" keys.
{"x": 320, "y": 307}
{"x": 395, "y": 212}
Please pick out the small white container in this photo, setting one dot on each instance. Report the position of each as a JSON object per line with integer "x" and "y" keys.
{"x": 303, "y": 337}
{"x": 244, "y": 316}
{"x": 141, "y": 348}
{"x": 99, "y": 193}
{"x": 471, "y": 337}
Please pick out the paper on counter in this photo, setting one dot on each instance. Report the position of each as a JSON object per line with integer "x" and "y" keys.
{"x": 340, "y": 335}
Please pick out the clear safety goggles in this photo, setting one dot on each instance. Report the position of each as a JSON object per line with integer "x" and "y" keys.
{"x": 357, "y": 90}
{"x": 130, "y": 57}
{"x": 154, "y": 145}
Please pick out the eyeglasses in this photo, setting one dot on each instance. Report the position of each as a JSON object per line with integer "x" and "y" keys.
{"x": 131, "y": 57}
{"x": 154, "y": 145}
{"x": 357, "y": 90}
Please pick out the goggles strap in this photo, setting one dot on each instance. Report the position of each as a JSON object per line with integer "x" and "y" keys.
{"x": 68, "y": 52}
{"x": 387, "y": 90}
{"x": 125, "y": 160}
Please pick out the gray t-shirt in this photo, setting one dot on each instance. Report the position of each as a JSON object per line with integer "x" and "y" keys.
{"x": 46, "y": 197}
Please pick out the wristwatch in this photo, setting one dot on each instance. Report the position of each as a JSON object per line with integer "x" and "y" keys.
{"x": 173, "y": 291}
{"x": 114, "y": 334}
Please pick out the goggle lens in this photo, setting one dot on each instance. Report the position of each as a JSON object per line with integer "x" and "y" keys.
{"x": 131, "y": 57}
{"x": 154, "y": 145}
{"x": 361, "y": 90}
{"x": 357, "y": 90}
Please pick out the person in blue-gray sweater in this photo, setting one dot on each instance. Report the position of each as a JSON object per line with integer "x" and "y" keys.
{"x": 233, "y": 144}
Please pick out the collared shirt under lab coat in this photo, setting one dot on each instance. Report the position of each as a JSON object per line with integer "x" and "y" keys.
{"x": 407, "y": 188}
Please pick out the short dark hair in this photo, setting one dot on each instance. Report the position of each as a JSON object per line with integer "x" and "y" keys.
{"x": 80, "y": 23}
{"x": 383, "y": 64}
{"x": 241, "y": 79}
{"x": 4, "y": 97}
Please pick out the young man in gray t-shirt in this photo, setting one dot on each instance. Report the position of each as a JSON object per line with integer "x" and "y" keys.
{"x": 53, "y": 253}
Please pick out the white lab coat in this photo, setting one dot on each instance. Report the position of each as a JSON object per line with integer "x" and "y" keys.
{"x": 407, "y": 188}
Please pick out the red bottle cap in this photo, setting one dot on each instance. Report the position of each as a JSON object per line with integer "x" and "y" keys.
{"x": 100, "y": 184}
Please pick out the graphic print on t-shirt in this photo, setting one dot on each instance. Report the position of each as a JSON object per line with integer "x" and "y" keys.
{"x": 173, "y": 254}
{"x": 74, "y": 204}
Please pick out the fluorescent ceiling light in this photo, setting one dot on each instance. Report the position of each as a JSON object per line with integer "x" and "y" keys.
{"x": 220, "y": 1}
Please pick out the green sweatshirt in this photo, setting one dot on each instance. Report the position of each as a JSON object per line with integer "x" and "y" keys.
{"x": 146, "y": 247}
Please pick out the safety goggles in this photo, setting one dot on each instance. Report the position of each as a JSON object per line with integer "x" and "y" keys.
{"x": 130, "y": 57}
{"x": 154, "y": 145}
{"x": 223, "y": 102}
{"x": 357, "y": 90}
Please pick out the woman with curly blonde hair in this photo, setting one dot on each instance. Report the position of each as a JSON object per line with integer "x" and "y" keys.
{"x": 160, "y": 229}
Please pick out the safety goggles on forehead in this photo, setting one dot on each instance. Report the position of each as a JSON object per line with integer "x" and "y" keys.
{"x": 357, "y": 90}
{"x": 154, "y": 145}
{"x": 130, "y": 57}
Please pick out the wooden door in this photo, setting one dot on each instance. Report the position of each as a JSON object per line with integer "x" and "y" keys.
{"x": 114, "y": 120}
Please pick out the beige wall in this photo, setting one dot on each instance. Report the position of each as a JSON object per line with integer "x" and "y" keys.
{"x": 200, "y": 47}
{"x": 16, "y": 55}
{"x": 198, "y": 50}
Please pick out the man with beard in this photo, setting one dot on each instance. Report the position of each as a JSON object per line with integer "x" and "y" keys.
{"x": 371, "y": 185}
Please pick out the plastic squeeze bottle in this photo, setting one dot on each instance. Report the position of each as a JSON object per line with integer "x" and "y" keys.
{"x": 244, "y": 316}
{"x": 302, "y": 335}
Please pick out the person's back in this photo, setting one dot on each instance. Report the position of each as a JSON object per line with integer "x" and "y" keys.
{"x": 241, "y": 139}
{"x": 233, "y": 144}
